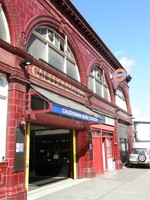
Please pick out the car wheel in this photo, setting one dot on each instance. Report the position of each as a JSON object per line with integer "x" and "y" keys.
{"x": 142, "y": 158}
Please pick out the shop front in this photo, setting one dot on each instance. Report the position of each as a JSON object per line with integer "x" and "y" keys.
{"x": 54, "y": 125}
{"x": 103, "y": 148}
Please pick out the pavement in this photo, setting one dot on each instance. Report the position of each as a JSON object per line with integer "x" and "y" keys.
{"x": 125, "y": 184}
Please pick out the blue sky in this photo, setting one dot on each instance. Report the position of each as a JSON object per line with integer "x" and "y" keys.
{"x": 124, "y": 26}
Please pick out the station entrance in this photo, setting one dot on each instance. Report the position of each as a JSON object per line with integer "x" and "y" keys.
{"x": 50, "y": 155}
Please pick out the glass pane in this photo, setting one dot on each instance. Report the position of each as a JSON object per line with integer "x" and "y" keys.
{"x": 69, "y": 53}
{"x": 4, "y": 30}
{"x": 92, "y": 71}
{"x": 55, "y": 59}
{"x": 35, "y": 44}
{"x": 119, "y": 93}
{"x": 106, "y": 93}
{"x": 38, "y": 103}
{"x": 98, "y": 88}
{"x": 139, "y": 151}
{"x": 1, "y": 82}
{"x": 109, "y": 146}
{"x": 91, "y": 83}
{"x": 121, "y": 103}
{"x": 57, "y": 41}
{"x": 61, "y": 44}
{"x": 97, "y": 74}
{"x": 51, "y": 35}
{"x": 42, "y": 31}
{"x": 72, "y": 70}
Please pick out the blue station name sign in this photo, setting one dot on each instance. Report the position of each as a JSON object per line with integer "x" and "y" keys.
{"x": 74, "y": 114}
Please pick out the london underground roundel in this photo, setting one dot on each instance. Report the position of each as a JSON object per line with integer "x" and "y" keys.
{"x": 119, "y": 75}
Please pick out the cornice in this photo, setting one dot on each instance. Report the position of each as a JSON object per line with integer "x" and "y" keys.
{"x": 14, "y": 50}
{"x": 5, "y": 68}
{"x": 72, "y": 14}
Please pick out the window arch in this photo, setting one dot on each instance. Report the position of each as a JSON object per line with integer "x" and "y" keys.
{"x": 47, "y": 45}
{"x": 120, "y": 99}
{"x": 4, "y": 30}
{"x": 97, "y": 83}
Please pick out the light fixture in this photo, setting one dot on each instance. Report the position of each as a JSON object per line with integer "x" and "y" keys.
{"x": 25, "y": 62}
{"x": 21, "y": 122}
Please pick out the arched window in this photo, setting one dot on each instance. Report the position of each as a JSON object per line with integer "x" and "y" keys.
{"x": 97, "y": 83}
{"x": 4, "y": 30}
{"x": 120, "y": 99}
{"x": 47, "y": 45}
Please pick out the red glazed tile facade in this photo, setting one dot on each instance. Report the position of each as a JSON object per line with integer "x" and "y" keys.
{"x": 23, "y": 17}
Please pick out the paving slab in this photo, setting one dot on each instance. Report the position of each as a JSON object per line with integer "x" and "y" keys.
{"x": 125, "y": 184}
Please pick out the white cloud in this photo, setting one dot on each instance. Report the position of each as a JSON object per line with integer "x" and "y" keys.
{"x": 119, "y": 53}
{"x": 124, "y": 61}
{"x": 127, "y": 63}
{"x": 136, "y": 112}
{"x": 146, "y": 118}
{"x": 138, "y": 116}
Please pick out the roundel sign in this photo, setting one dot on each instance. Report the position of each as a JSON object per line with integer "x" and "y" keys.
{"x": 119, "y": 75}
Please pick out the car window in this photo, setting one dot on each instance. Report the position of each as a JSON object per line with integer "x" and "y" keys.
{"x": 138, "y": 151}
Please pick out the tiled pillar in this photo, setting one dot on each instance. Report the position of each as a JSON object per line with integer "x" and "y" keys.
{"x": 3, "y": 173}
{"x": 85, "y": 162}
{"x": 89, "y": 171}
{"x": 15, "y": 184}
{"x": 80, "y": 153}
{"x": 118, "y": 163}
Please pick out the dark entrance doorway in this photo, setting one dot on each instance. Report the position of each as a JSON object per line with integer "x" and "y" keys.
{"x": 50, "y": 156}
{"x": 53, "y": 155}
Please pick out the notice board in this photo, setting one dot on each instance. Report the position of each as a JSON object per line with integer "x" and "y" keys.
{"x": 19, "y": 149}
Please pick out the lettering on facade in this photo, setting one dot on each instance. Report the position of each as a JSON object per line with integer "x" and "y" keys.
{"x": 75, "y": 114}
{"x": 51, "y": 79}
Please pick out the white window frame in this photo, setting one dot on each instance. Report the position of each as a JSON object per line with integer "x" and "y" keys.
{"x": 4, "y": 30}
{"x": 120, "y": 99}
{"x": 65, "y": 53}
{"x": 100, "y": 80}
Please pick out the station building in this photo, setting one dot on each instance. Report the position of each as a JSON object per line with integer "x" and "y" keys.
{"x": 64, "y": 97}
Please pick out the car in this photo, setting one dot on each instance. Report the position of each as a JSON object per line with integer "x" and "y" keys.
{"x": 139, "y": 156}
